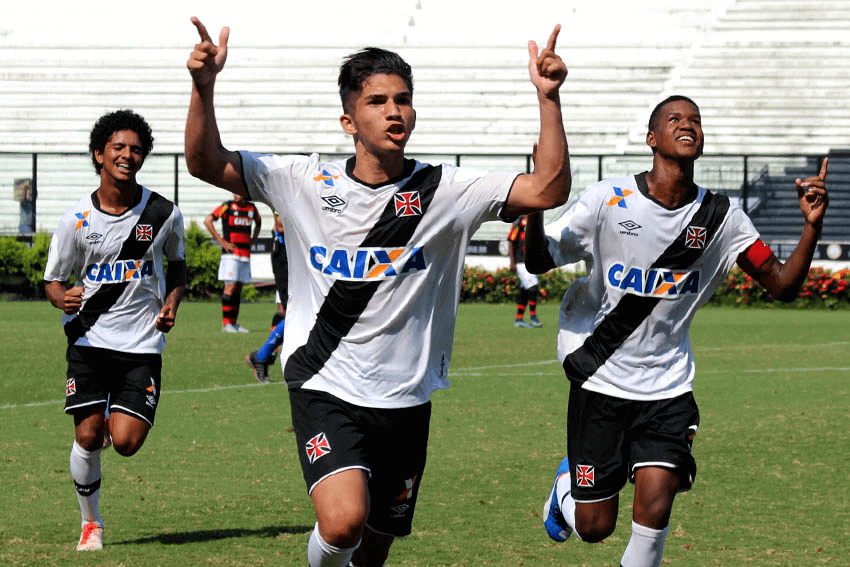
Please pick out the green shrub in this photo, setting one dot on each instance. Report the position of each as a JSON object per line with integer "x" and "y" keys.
{"x": 822, "y": 288}
{"x": 502, "y": 286}
{"x": 22, "y": 265}
{"x": 202, "y": 258}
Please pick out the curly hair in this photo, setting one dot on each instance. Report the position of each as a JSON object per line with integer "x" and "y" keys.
{"x": 358, "y": 67}
{"x": 116, "y": 121}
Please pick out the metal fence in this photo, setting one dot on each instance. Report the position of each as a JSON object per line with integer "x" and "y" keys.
{"x": 39, "y": 187}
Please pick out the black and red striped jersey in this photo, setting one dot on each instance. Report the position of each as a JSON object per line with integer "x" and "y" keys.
{"x": 237, "y": 222}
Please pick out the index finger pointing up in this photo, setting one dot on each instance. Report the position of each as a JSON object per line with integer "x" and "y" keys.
{"x": 202, "y": 30}
{"x": 553, "y": 38}
{"x": 822, "y": 173}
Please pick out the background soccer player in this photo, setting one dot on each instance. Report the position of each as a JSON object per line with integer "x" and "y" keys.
{"x": 376, "y": 246}
{"x": 240, "y": 225}
{"x": 260, "y": 359}
{"x": 528, "y": 283}
{"x": 624, "y": 328}
{"x": 113, "y": 243}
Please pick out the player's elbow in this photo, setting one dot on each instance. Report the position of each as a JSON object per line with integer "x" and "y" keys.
{"x": 787, "y": 295}
{"x": 197, "y": 167}
{"x": 556, "y": 192}
{"x": 538, "y": 264}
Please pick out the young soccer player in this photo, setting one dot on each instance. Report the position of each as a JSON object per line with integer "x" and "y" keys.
{"x": 657, "y": 245}
{"x": 528, "y": 282}
{"x": 260, "y": 359}
{"x": 237, "y": 216}
{"x": 376, "y": 246}
{"x": 113, "y": 243}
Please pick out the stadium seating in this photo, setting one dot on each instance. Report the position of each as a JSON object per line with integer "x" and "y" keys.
{"x": 770, "y": 77}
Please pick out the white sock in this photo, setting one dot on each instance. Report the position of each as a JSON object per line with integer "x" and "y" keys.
{"x": 85, "y": 470}
{"x": 645, "y": 548}
{"x": 566, "y": 502}
{"x": 322, "y": 554}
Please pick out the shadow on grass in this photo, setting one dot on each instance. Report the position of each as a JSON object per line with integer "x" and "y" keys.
{"x": 213, "y": 535}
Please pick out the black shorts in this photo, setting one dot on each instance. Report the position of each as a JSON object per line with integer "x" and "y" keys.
{"x": 280, "y": 269}
{"x": 609, "y": 438}
{"x": 389, "y": 444}
{"x": 128, "y": 382}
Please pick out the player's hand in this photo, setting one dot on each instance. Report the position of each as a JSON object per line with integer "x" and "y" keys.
{"x": 546, "y": 69}
{"x": 207, "y": 59}
{"x": 72, "y": 301}
{"x": 228, "y": 248}
{"x": 814, "y": 198}
{"x": 167, "y": 316}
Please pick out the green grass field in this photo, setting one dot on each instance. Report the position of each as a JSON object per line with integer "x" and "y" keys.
{"x": 218, "y": 481}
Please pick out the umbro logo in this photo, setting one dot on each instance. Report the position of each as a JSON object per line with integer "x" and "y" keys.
{"x": 629, "y": 228}
{"x": 333, "y": 204}
{"x": 94, "y": 238}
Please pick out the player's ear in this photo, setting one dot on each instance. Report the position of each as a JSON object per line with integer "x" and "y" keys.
{"x": 650, "y": 139}
{"x": 347, "y": 123}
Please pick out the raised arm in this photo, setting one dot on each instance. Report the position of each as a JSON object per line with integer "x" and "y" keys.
{"x": 206, "y": 157}
{"x": 537, "y": 257}
{"x": 549, "y": 185}
{"x": 783, "y": 281}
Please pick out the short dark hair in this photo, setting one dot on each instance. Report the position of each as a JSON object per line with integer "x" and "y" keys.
{"x": 358, "y": 67}
{"x": 116, "y": 121}
{"x": 653, "y": 118}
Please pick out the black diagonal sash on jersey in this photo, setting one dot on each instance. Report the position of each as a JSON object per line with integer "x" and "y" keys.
{"x": 156, "y": 212}
{"x": 632, "y": 309}
{"x": 346, "y": 300}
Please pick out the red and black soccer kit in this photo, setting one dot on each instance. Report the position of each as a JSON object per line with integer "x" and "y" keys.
{"x": 236, "y": 221}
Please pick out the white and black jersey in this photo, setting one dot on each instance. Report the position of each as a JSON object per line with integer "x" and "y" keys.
{"x": 374, "y": 271}
{"x": 624, "y": 327}
{"x": 119, "y": 260}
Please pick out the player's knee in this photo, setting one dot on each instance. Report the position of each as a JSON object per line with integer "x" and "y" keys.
{"x": 127, "y": 447}
{"x": 89, "y": 440}
{"x": 342, "y": 527}
{"x": 595, "y": 529}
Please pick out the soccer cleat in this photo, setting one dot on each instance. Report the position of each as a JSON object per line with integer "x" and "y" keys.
{"x": 521, "y": 323}
{"x": 240, "y": 328}
{"x": 535, "y": 322}
{"x": 229, "y": 328}
{"x": 91, "y": 539}
{"x": 261, "y": 369}
{"x": 553, "y": 520}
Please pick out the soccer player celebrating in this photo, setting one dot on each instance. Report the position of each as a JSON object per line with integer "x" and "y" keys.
{"x": 113, "y": 243}
{"x": 656, "y": 246}
{"x": 234, "y": 268}
{"x": 376, "y": 247}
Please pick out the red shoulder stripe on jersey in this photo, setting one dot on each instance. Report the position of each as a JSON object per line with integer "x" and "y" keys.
{"x": 219, "y": 210}
{"x": 758, "y": 253}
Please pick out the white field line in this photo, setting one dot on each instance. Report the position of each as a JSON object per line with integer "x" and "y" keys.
{"x": 477, "y": 371}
